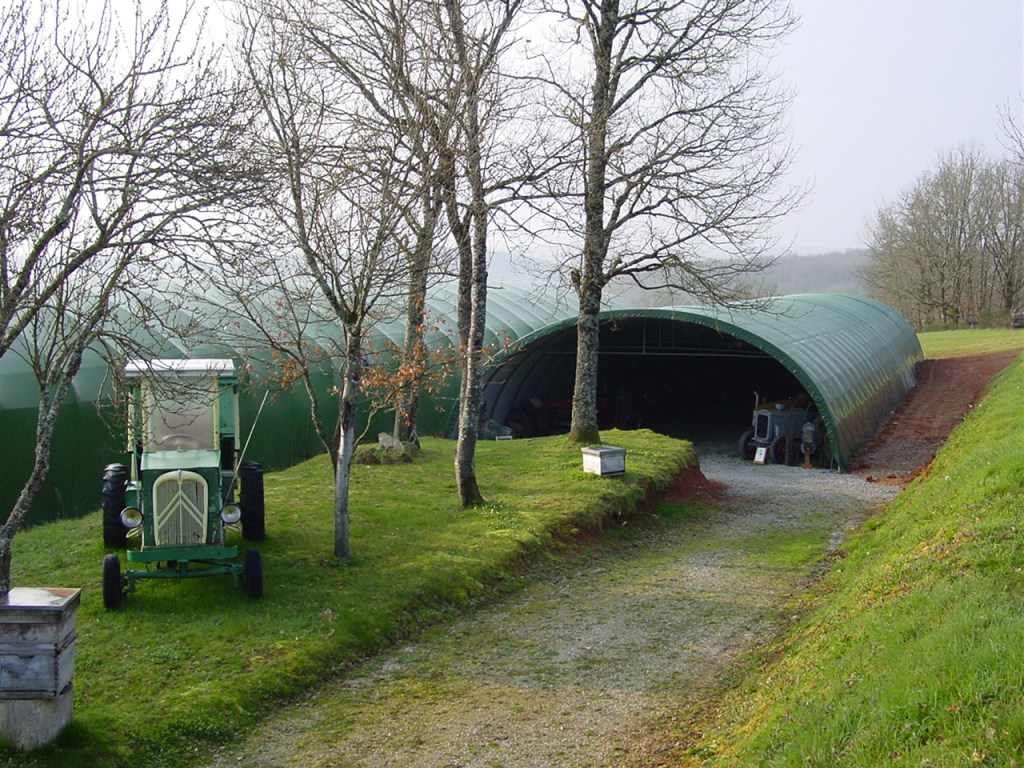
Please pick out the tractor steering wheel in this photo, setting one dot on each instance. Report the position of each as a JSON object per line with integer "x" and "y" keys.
{"x": 180, "y": 441}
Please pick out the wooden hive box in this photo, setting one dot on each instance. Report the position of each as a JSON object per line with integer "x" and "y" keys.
{"x": 37, "y": 642}
{"x": 605, "y": 460}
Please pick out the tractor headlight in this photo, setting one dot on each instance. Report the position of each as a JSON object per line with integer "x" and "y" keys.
{"x": 231, "y": 514}
{"x": 809, "y": 437}
{"x": 131, "y": 517}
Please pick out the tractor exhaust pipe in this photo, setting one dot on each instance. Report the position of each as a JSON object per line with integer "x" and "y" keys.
{"x": 241, "y": 456}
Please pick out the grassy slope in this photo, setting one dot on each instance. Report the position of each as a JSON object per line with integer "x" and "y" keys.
{"x": 910, "y": 653}
{"x": 191, "y": 662}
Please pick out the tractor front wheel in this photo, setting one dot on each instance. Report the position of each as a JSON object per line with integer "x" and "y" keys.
{"x": 113, "y": 585}
{"x": 746, "y": 446}
{"x": 253, "y": 573}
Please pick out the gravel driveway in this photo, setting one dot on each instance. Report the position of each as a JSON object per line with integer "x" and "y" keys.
{"x": 577, "y": 668}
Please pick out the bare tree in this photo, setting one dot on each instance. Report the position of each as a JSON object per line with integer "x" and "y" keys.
{"x": 477, "y": 35}
{"x": 386, "y": 53}
{"x": 1002, "y": 239}
{"x": 673, "y": 151}
{"x": 895, "y": 272}
{"x": 389, "y": 52}
{"x": 426, "y": 73}
{"x": 117, "y": 153}
{"x": 338, "y": 201}
{"x": 928, "y": 249}
{"x": 274, "y": 315}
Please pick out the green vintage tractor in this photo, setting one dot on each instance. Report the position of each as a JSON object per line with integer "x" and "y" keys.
{"x": 177, "y": 495}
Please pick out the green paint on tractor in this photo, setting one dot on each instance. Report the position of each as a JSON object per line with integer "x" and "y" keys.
{"x": 176, "y": 496}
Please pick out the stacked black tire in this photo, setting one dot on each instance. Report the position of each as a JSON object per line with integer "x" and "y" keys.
{"x": 115, "y": 482}
{"x": 250, "y": 477}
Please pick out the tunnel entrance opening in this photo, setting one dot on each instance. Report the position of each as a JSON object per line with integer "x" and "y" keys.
{"x": 676, "y": 378}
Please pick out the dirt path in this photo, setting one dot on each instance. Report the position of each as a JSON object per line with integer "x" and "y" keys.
{"x": 946, "y": 390}
{"x": 579, "y": 667}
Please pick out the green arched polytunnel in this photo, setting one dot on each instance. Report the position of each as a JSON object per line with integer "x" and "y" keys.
{"x": 854, "y": 357}
{"x": 659, "y": 368}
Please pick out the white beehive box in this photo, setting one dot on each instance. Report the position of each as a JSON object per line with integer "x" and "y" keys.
{"x": 604, "y": 460}
{"x": 37, "y": 662}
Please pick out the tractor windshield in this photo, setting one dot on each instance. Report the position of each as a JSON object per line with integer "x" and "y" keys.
{"x": 181, "y": 415}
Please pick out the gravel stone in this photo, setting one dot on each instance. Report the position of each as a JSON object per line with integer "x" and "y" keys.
{"x": 584, "y": 666}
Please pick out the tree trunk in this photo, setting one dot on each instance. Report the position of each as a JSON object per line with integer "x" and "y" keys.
{"x": 465, "y": 447}
{"x": 28, "y": 493}
{"x": 414, "y": 355}
{"x": 470, "y": 400}
{"x": 50, "y": 400}
{"x": 5, "y": 562}
{"x": 415, "y": 350}
{"x": 589, "y": 281}
{"x": 584, "y": 427}
{"x": 349, "y": 436}
{"x": 475, "y": 278}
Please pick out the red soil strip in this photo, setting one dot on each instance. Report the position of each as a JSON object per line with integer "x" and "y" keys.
{"x": 946, "y": 391}
{"x": 692, "y": 484}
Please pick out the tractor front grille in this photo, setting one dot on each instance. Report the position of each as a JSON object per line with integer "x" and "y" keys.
{"x": 762, "y": 426}
{"x": 179, "y": 509}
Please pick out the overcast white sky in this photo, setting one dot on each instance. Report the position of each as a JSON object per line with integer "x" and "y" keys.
{"x": 882, "y": 88}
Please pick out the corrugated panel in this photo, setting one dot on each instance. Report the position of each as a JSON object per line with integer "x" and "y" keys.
{"x": 283, "y": 435}
{"x": 854, "y": 356}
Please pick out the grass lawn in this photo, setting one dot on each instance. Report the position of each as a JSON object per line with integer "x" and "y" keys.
{"x": 980, "y": 341}
{"x": 910, "y": 651}
{"x": 187, "y": 664}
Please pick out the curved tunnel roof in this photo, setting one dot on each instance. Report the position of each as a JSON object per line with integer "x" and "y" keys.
{"x": 854, "y": 357}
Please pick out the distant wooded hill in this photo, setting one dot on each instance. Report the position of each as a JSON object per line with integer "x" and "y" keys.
{"x": 835, "y": 272}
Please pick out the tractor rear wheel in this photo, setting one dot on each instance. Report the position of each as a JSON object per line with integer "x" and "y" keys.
{"x": 115, "y": 483}
{"x": 113, "y": 585}
{"x": 253, "y": 573}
